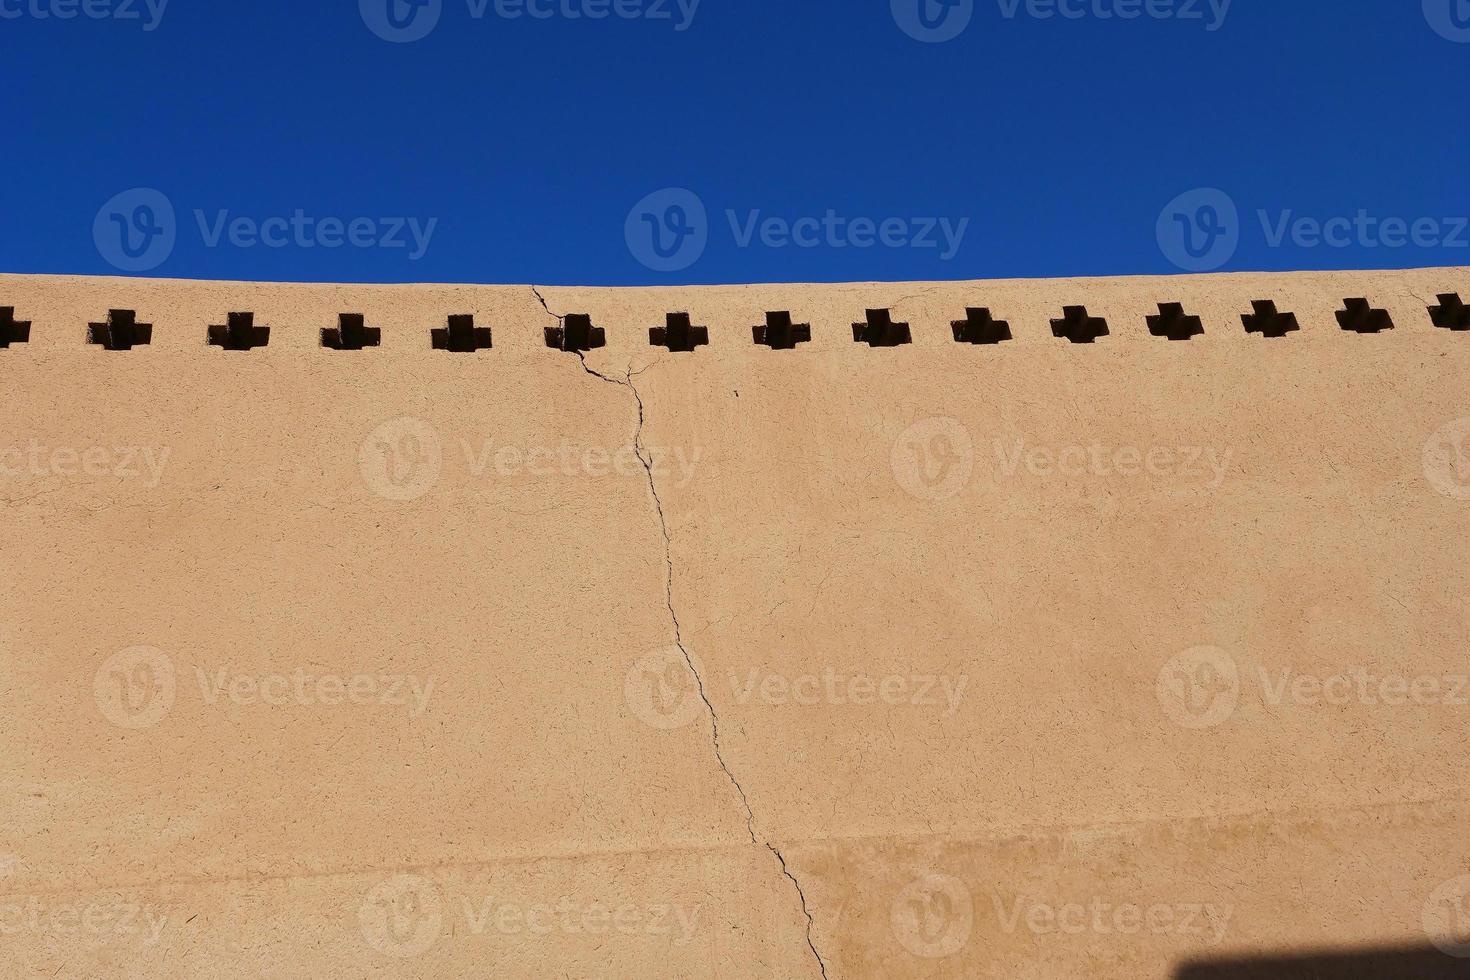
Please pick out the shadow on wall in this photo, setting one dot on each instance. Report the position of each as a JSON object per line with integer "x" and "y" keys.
{"x": 1404, "y": 963}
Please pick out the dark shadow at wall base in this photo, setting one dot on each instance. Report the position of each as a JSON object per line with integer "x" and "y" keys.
{"x": 1425, "y": 963}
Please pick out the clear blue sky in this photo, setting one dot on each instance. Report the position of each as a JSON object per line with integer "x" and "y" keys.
{"x": 1048, "y": 145}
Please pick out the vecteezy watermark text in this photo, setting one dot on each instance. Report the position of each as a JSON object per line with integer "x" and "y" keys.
{"x": 936, "y": 21}
{"x": 934, "y": 459}
{"x": 300, "y": 230}
{"x": 663, "y": 690}
{"x": 405, "y": 21}
{"x": 307, "y": 690}
{"x": 101, "y": 920}
{"x": 1203, "y": 686}
{"x": 935, "y": 915}
{"x": 137, "y": 230}
{"x": 405, "y": 915}
{"x": 402, "y": 460}
{"x": 669, "y": 230}
{"x": 833, "y": 230}
{"x": 1209, "y": 13}
{"x": 1101, "y": 916}
{"x": 144, "y": 463}
{"x": 136, "y": 688}
{"x": 1202, "y": 465}
{"x": 833, "y": 687}
{"x": 147, "y": 13}
{"x": 1201, "y": 230}
{"x": 567, "y": 460}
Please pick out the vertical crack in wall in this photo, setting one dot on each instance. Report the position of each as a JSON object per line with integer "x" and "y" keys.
{"x": 647, "y": 460}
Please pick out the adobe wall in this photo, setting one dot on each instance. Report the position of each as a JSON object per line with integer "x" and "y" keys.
{"x": 1028, "y": 659}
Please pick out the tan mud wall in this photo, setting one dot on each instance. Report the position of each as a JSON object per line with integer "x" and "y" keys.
{"x": 1020, "y": 661}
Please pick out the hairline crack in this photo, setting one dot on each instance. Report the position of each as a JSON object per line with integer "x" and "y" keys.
{"x": 646, "y": 459}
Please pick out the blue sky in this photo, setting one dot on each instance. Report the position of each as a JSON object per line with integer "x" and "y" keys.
{"x": 700, "y": 141}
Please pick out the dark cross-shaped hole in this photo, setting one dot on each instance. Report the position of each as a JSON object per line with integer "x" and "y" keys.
{"x": 576, "y": 333}
{"x": 779, "y": 333}
{"x": 461, "y": 336}
{"x": 1451, "y": 313}
{"x": 351, "y": 333}
{"x": 1267, "y": 322}
{"x": 879, "y": 330}
{"x": 122, "y": 331}
{"x": 980, "y": 327}
{"x": 13, "y": 331}
{"x": 1359, "y": 317}
{"x": 1174, "y": 324}
{"x": 239, "y": 332}
{"x": 1076, "y": 326}
{"x": 679, "y": 335}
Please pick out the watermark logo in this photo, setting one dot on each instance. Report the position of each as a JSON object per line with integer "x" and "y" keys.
{"x": 309, "y": 690}
{"x": 401, "y": 917}
{"x": 136, "y": 230}
{"x": 301, "y": 230}
{"x": 401, "y": 21}
{"x": 933, "y": 916}
{"x": 933, "y": 21}
{"x": 401, "y": 459}
{"x": 149, "y": 13}
{"x": 104, "y": 920}
{"x": 668, "y": 230}
{"x": 1447, "y": 917}
{"x": 662, "y": 691}
{"x": 1210, "y": 13}
{"x": 676, "y": 924}
{"x": 1105, "y": 916}
{"x": 1197, "y": 466}
{"x": 834, "y": 688}
{"x": 674, "y": 464}
{"x": 404, "y": 21}
{"x": 1449, "y": 18}
{"x": 407, "y": 914}
{"x": 1199, "y": 230}
{"x": 1200, "y": 688}
{"x": 135, "y": 688}
{"x": 933, "y": 458}
{"x": 1447, "y": 460}
{"x": 142, "y": 463}
{"x": 836, "y": 231}
{"x": 1363, "y": 229}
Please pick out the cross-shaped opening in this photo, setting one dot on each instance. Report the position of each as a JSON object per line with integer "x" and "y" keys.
{"x": 679, "y": 335}
{"x": 1076, "y": 326}
{"x": 980, "y": 327}
{"x": 122, "y": 331}
{"x": 879, "y": 330}
{"x": 1267, "y": 322}
{"x": 351, "y": 333}
{"x": 239, "y": 332}
{"x": 13, "y": 331}
{"x": 461, "y": 336}
{"x": 1173, "y": 323}
{"x": 779, "y": 333}
{"x": 576, "y": 333}
{"x": 1359, "y": 317}
{"x": 1451, "y": 313}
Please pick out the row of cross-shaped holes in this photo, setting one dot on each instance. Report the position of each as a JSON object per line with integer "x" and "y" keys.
{"x": 122, "y": 331}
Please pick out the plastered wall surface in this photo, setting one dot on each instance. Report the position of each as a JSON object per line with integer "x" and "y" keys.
{"x": 1026, "y": 660}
